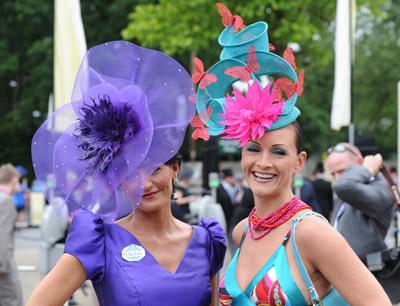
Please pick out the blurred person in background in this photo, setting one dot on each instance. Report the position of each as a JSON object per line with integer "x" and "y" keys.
{"x": 227, "y": 193}
{"x": 364, "y": 207}
{"x": 21, "y": 197}
{"x": 323, "y": 190}
{"x": 394, "y": 175}
{"x": 10, "y": 287}
{"x": 183, "y": 197}
{"x": 244, "y": 200}
{"x": 309, "y": 196}
{"x": 243, "y": 209}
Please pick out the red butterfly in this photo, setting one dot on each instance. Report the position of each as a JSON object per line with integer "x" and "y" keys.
{"x": 244, "y": 72}
{"x": 289, "y": 56}
{"x": 200, "y": 131}
{"x": 300, "y": 83}
{"x": 284, "y": 85}
{"x": 199, "y": 75}
{"x": 229, "y": 19}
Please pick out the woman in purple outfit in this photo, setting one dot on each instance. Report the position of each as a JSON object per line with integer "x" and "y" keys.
{"x": 119, "y": 163}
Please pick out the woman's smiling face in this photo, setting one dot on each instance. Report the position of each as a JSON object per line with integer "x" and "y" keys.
{"x": 158, "y": 188}
{"x": 270, "y": 162}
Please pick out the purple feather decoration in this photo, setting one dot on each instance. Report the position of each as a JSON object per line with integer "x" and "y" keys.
{"x": 102, "y": 131}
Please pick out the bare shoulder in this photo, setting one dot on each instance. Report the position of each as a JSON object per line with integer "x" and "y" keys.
{"x": 325, "y": 252}
{"x": 313, "y": 228}
{"x": 237, "y": 232}
{"x": 316, "y": 237}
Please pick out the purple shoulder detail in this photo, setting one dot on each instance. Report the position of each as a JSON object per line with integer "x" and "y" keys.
{"x": 85, "y": 241}
{"x": 214, "y": 229}
{"x": 83, "y": 216}
{"x": 217, "y": 243}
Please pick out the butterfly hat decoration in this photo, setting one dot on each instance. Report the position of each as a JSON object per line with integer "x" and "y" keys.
{"x": 128, "y": 114}
{"x": 250, "y": 90}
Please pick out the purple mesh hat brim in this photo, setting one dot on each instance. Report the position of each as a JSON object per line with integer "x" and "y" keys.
{"x": 129, "y": 112}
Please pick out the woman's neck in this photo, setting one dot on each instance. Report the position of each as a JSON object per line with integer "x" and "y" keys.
{"x": 151, "y": 223}
{"x": 269, "y": 204}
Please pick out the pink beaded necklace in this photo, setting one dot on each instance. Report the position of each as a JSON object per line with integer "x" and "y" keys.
{"x": 280, "y": 216}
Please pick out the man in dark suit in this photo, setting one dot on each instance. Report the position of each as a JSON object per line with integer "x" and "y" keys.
{"x": 323, "y": 191}
{"x": 244, "y": 207}
{"x": 10, "y": 287}
{"x": 309, "y": 196}
{"x": 227, "y": 193}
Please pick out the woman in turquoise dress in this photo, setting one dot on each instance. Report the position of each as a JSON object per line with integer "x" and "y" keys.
{"x": 287, "y": 254}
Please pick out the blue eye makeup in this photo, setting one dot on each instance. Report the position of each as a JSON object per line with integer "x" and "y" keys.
{"x": 279, "y": 152}
{"x": 275, "y": 150}
{"x": 253, "y": 148}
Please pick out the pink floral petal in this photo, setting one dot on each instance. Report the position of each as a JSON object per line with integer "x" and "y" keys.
{"x": 246, "y": 117}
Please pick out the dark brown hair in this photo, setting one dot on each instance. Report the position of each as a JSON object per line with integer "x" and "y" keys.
{"x": 299, "y": 136}
{"x": 177, "y": 158}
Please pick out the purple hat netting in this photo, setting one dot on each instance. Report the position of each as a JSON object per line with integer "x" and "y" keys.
{"x": 129, "y": 112}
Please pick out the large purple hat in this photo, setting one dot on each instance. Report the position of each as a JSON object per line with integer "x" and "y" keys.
{"x": 129, "y": 112}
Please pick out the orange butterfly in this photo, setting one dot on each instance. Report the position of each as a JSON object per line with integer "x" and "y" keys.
{"x": 199, "y": 75}
{"x": 229, "y": 19}
{"x": 284, "y": 85}
{"x": 289, "y": 56}
{"x": 244, "y": 72}
{"x": 201, "y": 130}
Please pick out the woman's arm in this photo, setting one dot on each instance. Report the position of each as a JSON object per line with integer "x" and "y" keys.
{"x": 214, "y": 287}
{"x": 60, "y": 283}
{"x": 329, "y": 253}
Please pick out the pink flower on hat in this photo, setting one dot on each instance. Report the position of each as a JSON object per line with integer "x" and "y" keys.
{"x": 247, "y": 117}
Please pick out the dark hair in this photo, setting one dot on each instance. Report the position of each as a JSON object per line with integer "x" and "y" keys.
{"x": 319, "y": 168}
{"x": 177, "y": 158}
{"x": 227, "y": 172}
{"x": 299, "y": 136}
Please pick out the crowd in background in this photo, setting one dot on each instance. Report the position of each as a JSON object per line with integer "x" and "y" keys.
{"x": 235, "y": 202}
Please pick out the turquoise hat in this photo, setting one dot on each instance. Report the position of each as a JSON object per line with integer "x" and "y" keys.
{"x": 235, "y": 52}
{"x": 235, "y": 44}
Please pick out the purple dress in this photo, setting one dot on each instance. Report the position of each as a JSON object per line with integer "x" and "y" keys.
{"x": 124, "y": 273}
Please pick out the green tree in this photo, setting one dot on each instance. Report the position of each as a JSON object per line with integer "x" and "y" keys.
{"x": 26, "y": 68}
{"x": 104, "y": 19}
{"x": 377, "y": 71}
{"x": 25, "y": 74}
{"x": 183, "y": 28}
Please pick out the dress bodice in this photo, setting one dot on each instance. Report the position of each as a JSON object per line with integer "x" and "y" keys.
{"x": 272, "y": 285}
{"x": 124, "y": 273}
